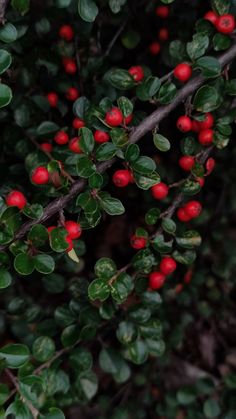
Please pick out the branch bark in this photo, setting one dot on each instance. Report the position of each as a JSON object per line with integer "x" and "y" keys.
{"x": 3, "y": 5}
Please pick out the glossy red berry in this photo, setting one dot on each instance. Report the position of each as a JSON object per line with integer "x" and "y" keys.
{"x": 163, "y": 34}
{"x": 128, "y": 119}
{"x": 182, "y": 215}
{"x": 47, "y": 147}
{"x": 195, "y": 126}
{"x": 201, "y": 181}
{"x": 61, "y": 138}
{"x": 207, "y": 123}
{"x": 154, "y": 48}
{"x": 74, "y": 145}
{"x": 72, "y": 94}
{"x": 156, "y": 280}
{"x": 206, "y": 137}
{"x": 74, "y": 229}
{"x": 40, "y": 175}
{"x": 52, "y": 98}
{"x": 193, "y": 209}
{"x": 138, "y": 242}
{"x": 168, "y": 265}
{"x": 136, "y": 72}
{"x": 184, "y": 123}
{"x": 162, "y": 11}
{"x": 183, "y": 72}
{"x": 211, "y": 17}
{"x": 66, "y": 32}
{"x": 160, "y": 191}
{"x": 78, "y": 123}
{"x": 101, "y": 136}
{"x": 114, "y": 117}
{"x": 70, "y": 66}
{"x": 49, "y": 229}
{"x": 225, "y": 24}
{"x": 121, "y": 178}
{"x": 186, "y": 163}
{"x": 16, "y": 199}
{"x": 210, "y": 165}
{"x": 70, "y": 243}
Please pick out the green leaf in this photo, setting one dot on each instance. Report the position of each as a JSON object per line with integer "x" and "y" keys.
{"x": 57, "y": 239}
{"x": 186, "y": 396}
{"x": 85, "y": 167}
{"x": 8, "y": 33}
{"x": 98, "y": 290}
{"x": 44, "y": 264}
{"x": 19, "y": 410}
{"x": 206, "y": 99}
{"x": 15, "y": 355}
{"x": 54, "y": 413}
{"x": 115, "y": 5}
{"x": 167, "y": 93}
{"x": 177, "y": 51}
{"x": 168, "y": 225}
{"x": 21, "y": 6}
{"x": 152, "y": 216}
{"x": 47, "y": 127}
{"x": 4, "y": 393}
{"x": 186, "y": 258}
{"x": 80, "y": 106}
{"x": 146, "y": 181}
{"x": 161, "y": 143}
{"x": 209, "y": 66}
{"x": 87, "y": 382}
{"x": 5, "y": 278}
{"x": 211, "y": 408}
{"x": 125, "y": 105}
{"x": 230, "y": 87}
{"x": 156, "y": 347}
{"x": 24, "y": 264}
{"x": 132, "y": 152}
{"x": 5, "y": 95}
{"x": 33, "y": 211}
{"x": 192, "y": 187}
{"x": 105, "y": 151}
{"x": 143, "y": 260}
{"x": 120, "y": 79}
{"x": 88, "y": 10}
{"x": 86, "y": 140}
{"x": 119, "y": 137}
{"x": 126, "y": 332}
{"x": 161, "y": 245}
{"x": 130, "y": 39}
{"x": 221, "y": 42}
{"x": 144, "y": 165}
{"x": 221, "y": 6}
{"x": 43, "y": 348}
{"x": 137, "y": 352}
{"x": 70, "y": 335}
{"x": 54, "y": 284}
{"x": 105, "y": 268}
{"x": 189, "y": 240}
{"x": 122, "y": 287}
{"x": 38, "y": 235}
{"x": 96, "y": 181}
{"x": 111, "y": 206}
{"x": 5, "y": 60}
{"x": 148, "y": 88}
{"x": 198, "y": 46}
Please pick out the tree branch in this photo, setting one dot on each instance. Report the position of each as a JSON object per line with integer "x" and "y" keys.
{"x": 3, "y": 5}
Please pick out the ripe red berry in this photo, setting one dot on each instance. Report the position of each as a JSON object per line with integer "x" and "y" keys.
{"x": 162, "y": 11}
{"x": 74, "y": 145}
{"x": 156, "y": 280}
{"x": 163, "y": 34}
{"x": 193, "y": 209}
{"x": 121, "y": 178}
{"x": 101, "y": 136}
{"x": 182, "y": 215}
{"x": 206, "y": 137}
{"x": 183, "y": 72}
{"x": 207, "y": 123}
{"x": 210, "y": 165}
{"x": 138, "y": 242}
{"x": 184, "y": 123}
{"x": 52, "y": 98}
{"x": 78, "y": 123}
{"x": 74, "y": 229}
{"x": 70, "y": 243}
{"x": 225, "y": 24}
{"x": 188, "y": 276}
{"x": 128, "y": 119}
{"x": 46, "y": 147}
{"x": 211, "y": 17}
{"x": 69, "y": 65}
{"x": 40, "y": 175}
{"x": 61, "y": 138}
{"x": 154, "y": 48}
{"x": 136, "y": 72}
{"x": 160, "y": 191}
{"x": 114, "y": 117}
{"x": 201, "y": 181}
{"x": 168, "y": 265}
{"x": 186, "y": 163}
{"x": 49, "y": 229}
{"x": 72, "y": 94}
{"x": 16, "y": 199}
{"x": 195, "y": 126}
{"x": 66, "y": 32}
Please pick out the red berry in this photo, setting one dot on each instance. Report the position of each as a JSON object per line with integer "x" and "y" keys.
{"x": 195, "y": 126}
{"x": 40, "y": 175}
{"x": 183, "y": 72}
{"x": 210, "y": 165}
{"x": 49, "y": 229}
{"x": 66, "y": 32}
{"x": 186, "y": 163}
{"x": 154, "y": 48}
{"x": 114, "y": 117}
{"x": 184, "y": 123}
{"x": 162, "y": 11}
{"x": 138, "y": 242}
{"x": 74, "y": 229}
{"x": 160, "y": 191}
{"x": 168, "y": 265}
{"x": 225, "y": 24}
{"x": 70, "y": 243}
{"x": 101, "y": 136}
{"x": 69, "y": 65}
{"x": 128, "y": 119}
{"x": 188, "y": 276}
{"x": 16, "y": 199}
{"x": 206, "y": 137}
{"x": 46, "y": 147}
{"x": 178, "y": 288}
{"x": 52, "y": 98}
{"x": 207, "y": 123}
{"x": 201, "y": 181}
{"x": 193, "y": 209}
{"x": 74, "y": 145}
{"x": 61, "y": 138}
{"x": 211, "y": 17}
{"x": 121, "y": 178}
{"x": 156, "y": 280}
{"x": 78, "y": 123}
{"x": 72, "y": 94}
{"x": 136, "y": 72}
{"x": 163, "y": 34}
{"x": 182, "y": 215}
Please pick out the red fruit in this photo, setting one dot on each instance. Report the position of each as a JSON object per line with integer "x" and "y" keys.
{"x": 72, "y": 94}
{"x": 128, "y": 119}
{"x": 184, "y": 123}
{"x": 206, "y": 137}
{"x": 186, "y": 163}
{"x": 61, "y": 138}
{"x": 182, "y": 215}
{"x": 138, "y": 242}
{"x": 74, "y": 229}
{"x": 162, "y": 11}
{"x": 154, "y": 48}
{"x": 46, "y": 147}
{"x": 178, "y": 288}
{"x": 70, "y": 244}
{"x": 163, "y": 34}
{"x": 136, "y": 72}
{"x": 121, "y": 178}
{"x": 195, "y": 126}
{"x": 193, "y": 209}
{"x": 225, "y": 24}
{"x": 156, "y": 280}
{"x": 201, "y": 181}
{"x": 52, "y": 98}
{"x": 114, "y": 117}
{"x": 40, "y": 175}
{"x": 74, "y": 145}
{"x": 160, "y": 191}
{"x": 168, "y": 265}
{"x": 207, "y": 123}
{"x": 188, "y": 276}
{"x": 101, "y": 136}
{"x": 210, "y": 165}
{"x": 70, "y": 66}
{"x": 78, "y": 123}
{"x": 16, "y": 199}
{"x": 183, "y": 72}
{"x": 49, "y": 229}
{"x": 66, "y": 32}
{"x": 211, "y": 16}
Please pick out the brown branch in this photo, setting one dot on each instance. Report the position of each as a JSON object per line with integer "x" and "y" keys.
{"x": 3, "y": 5}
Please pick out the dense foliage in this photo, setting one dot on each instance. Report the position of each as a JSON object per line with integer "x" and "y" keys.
{"x": 117, "y": 209}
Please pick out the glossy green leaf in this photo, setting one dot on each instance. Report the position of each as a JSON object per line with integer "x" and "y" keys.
{"x": 5, "y": 278}
{"x": 24, "y": 264}
{"x": 5, "y": 60}
{"x": 15, "y": 355}
{"x": 209, "y": 66}
{"x": 21, "y": 6}
{"x": 161, "y": 142}
{"x": 43, "y": 348}
{"x": 198, "y": 46}
{"x": 5, "y": 95}
{"x": 105, "y": 268}
{"x": 88, "y": 10}
{"x": 86, "y": 140}
{"x": 44, "y": 264}
{"x": 8, "y": 33}
{"x": 98, "y": 290}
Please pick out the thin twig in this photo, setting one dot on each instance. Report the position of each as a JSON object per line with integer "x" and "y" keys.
{"x": 115, "y": 37}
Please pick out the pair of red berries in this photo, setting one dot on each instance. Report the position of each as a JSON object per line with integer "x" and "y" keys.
{"x": 16, "y": 199}
{"x": 136, "y": 72}
{"x": 189, "y": 211}
{"x": 66, "y": 32}
{"x": 157, "y": 278}
{"x": 155, "y": 47}
{"x": 122, "y": 178}
{"x": 74, "y": 232}
{"x": 206, "y": 133}
{"x": 160, "y": 191}
{"x": 224, "y": 23}
{"x": 114, "y": 117}
{"x": 71, "y": 94}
